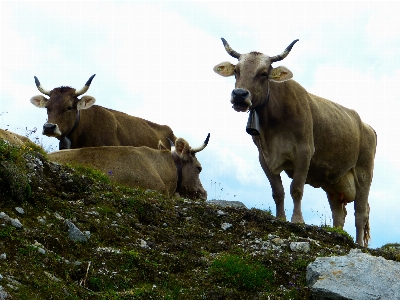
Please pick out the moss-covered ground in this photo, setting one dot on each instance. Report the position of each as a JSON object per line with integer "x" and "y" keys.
{"x": 141, "y": 244}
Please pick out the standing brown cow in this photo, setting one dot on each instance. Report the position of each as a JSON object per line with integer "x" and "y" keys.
{"x": 77, "y": 123}
{"x": 314, "y": 140}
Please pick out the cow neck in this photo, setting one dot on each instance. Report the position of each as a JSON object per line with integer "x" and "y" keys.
{"x": 178, "y": 164}
{"x": 65, "y": 142}
{"x": 264, "y": 102}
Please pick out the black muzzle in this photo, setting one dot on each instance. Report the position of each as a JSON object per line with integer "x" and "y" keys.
{"x": 49, "y": 128}
{"x": 240, "y": 95}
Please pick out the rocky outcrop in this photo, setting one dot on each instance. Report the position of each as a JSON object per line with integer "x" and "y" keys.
{"x": 356, "y": 276}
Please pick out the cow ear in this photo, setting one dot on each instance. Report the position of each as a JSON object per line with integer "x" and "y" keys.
{"x": 280, "y": 74}
{"x": 85, "y": 102}
{"x": 39, "y": 101}
{"x": 225, "y": 69}
{"x": 182, "y": 148}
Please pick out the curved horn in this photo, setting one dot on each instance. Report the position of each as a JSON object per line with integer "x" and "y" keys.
{"x": 198, "y": 149}
{"x": 284, "y": 53}
{"x": 40, "y": 87}
{"x": 171, "y": 143}
{"x": 86, "y": 87}
{"x": 230, "y": 51}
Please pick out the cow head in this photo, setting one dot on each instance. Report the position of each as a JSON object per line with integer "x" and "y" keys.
{"x": 252, "y": 73}
{"x": 188, "y": 167}
{"x": 63, "y": 106}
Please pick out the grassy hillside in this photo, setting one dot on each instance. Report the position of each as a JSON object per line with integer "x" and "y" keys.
{"x": 139, "y": 244}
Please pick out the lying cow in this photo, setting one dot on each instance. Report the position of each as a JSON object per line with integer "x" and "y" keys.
{"x": 314, "y": 140}
{"x": 78, "y": 123}
{"x": 169, "y": 172}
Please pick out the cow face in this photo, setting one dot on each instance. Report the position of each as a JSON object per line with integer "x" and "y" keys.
{"x": 190, "y": 185}
{"x": 62, "y": 107}
{"x": 252, "y": 73}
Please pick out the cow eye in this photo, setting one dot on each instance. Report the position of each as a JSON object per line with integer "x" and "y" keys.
{"x": 264, "y": 74}
{"x": 69, "y": 107}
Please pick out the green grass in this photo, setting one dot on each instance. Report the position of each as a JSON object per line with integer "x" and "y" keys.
{"x": 337, "y": 230}
{"x": 240, "y": 272}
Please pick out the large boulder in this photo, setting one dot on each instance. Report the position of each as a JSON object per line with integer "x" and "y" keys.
{"x": 356, "y": 276}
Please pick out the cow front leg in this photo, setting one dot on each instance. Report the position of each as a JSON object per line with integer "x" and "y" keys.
{"x": 278, "y": 193}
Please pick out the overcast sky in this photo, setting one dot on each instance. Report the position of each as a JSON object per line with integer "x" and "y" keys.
{"x": 154, "y": 60}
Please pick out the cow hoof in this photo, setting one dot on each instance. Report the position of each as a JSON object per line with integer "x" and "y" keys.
{"x": 297, "y": 219}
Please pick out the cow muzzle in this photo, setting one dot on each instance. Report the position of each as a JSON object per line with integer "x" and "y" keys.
{"x": 241, "y": 100}
{"x": 51, "y": 129}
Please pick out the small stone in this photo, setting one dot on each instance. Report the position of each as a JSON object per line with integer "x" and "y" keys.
{"x": 225, "y": 226}
{"x": 143, "y": 244}
{"x": 20, "y": 210}
{"x": 41, "y": 250}
{"x": 58, "y": 217}
{"x": 277, "y": 241}
{"x": 3, "y": 256}
{"x": 74, "y": 233}
{"x": 41, "y": 220}
{"x": 300, "y": 247}
{"x": 16, "y": 223}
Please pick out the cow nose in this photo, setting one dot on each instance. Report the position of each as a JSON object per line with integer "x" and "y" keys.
{"x": 49, "y": 127}
{"x": 240, "y": 94}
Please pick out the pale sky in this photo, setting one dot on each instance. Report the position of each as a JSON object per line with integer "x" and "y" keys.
{"x": 154, "y": 60}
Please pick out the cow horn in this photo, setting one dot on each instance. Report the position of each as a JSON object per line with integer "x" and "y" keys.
{"x": 230, "y": 51}
{"x": 86, "y": 87}
{"x": 284, "y": 53}
{"x": 40, "y": 87}
{"x": 198, "y": 149}
{"x": 171, "y": 143}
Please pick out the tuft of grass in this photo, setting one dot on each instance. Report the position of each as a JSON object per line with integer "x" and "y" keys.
{"x": 337, "y": 230}
{"x": 90, "y": 172}
{"x": 240, "y": 272}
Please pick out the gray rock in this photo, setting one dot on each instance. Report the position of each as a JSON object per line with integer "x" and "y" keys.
{"x": 16, "y": 223}
{"x": 300, "y": 247}
{"x": 225, "y": 226}
{"x": 356, "y": 276}
{"x": 3, "y": 256}
{"x": 3, "y": 294}
{"x": 20, "y": 210}
{"x": 74, "y": 233}
{"x": 224, "y": 203}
